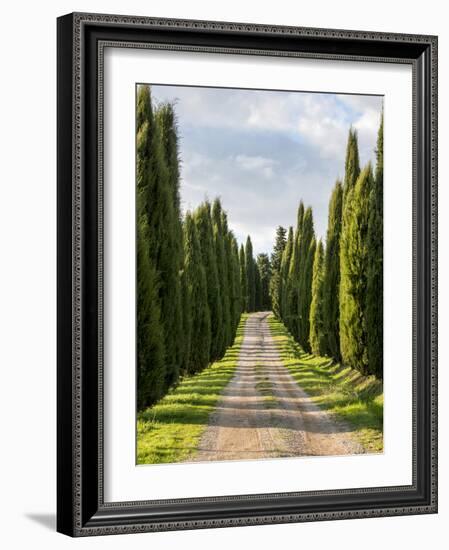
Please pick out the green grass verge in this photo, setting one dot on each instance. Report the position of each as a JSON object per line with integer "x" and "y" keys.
{"x": 342, "y": 391}
{"x": 170, "y": 431}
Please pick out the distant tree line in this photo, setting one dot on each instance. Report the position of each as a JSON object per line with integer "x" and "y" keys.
{"x": 193, "y": 282}
{"x": 329, "y": 295}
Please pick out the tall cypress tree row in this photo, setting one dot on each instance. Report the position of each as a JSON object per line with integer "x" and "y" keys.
{"x": 317, "y": 336}
{"x": 264, "y": 270}
{"x": 352, "y": 162}
{"x": 243, "y": 279}
{"x": 173, "y": 260}
{"x": 250, "y": 276}
{"x": 203, "y": 221}
{"x": 222, "y": 266}
{"x": 294, "y": 276}
{"x": 193, "y": 282}
{"x": 374, "y": 290}
{"x": 306, "y": 256}
{"x": 353, "y": 265}
{"x": 285, "y": 266}
{"x": 195, "y": 275}
{"x": 331, "y": 277}
{"x": 275, "y": 279}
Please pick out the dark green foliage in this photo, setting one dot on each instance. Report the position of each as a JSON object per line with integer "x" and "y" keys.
{"x": 151, "y": 369}
{"x": 171, "y": 288}
{"x": 352, "y": 162}
{"x": 157, "y": 186}
{"x": 166, "y": 119}
{"x": 203, "y": 221}
{"x": 374, "y": 291}
{"x": 250, "y": 276}
{"x": 186, "y": 319}
{"x": 243, "y": 281}
{"x": 294, "y": 277}
{"x": 264, "y": 270}
{"x": 258, "y": 289}
{"x": 285, "y": 266}
{"x": 197, "y": 291}
{"x": 232, "y": 291}
{"x": 275, "y": 279}
{"x": 331, "y": 278}
{"x": 150, "y": 338}
{"x": 306, "y": 256}
{"x": 354, "y": 256}
{"x": 278, "y": 249}
{"x": 222, "y": 266}
{"x": 236, "y": 303}
{"x": 317, "y": 336}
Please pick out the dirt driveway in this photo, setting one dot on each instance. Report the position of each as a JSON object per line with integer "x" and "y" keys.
{"x": 263, "y": 413}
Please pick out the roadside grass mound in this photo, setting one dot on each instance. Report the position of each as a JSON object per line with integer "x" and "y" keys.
{"x": 170, "y": 430}
{"x": 341, "y": 391}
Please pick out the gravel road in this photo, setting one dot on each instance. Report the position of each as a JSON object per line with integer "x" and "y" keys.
{"x": 263, "y": 413}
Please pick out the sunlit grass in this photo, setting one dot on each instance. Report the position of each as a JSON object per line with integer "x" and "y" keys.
{"x": 356, "y": 399}
{"x": 170, "y": 431}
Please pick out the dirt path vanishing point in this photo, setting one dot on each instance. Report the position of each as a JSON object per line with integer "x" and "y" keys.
{"x": 263, "y": 413}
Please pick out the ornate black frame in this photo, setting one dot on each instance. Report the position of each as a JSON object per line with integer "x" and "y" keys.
{"x": 81, "y": 510}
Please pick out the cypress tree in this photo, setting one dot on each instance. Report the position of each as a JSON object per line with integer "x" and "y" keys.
{"x": 306, "y": 256}
{"x": 222, "y": 266}
{"x": 275, "y": 279}
{"x": 317, "y": 332}
{"x": 352, "y": 162}
{"x": 243, "y": 279}
{"x": 250, "y": 276}
{"x": 151, "y": 369}
{"x": 186, "y": 317}
{"x": 157, "y": 199}
{"x": 294, "y": 276}
{"x": 331, "y": 278}
{"x": 172, "y": 303}
{"x": 237, "y": 305}
{"x": 203, "y": 221}
{"x": 195, "y": 275}
{"x": 258, "y": 288}
{"x": 230, "y": 274}
{"x": 374, "y": 290}
{"x": 166, "y": 119}
{"x": 150, "y": 338}
{"x": 285, "y": 266}
{"x": 353, "y": 266}
{"x": 264, "y": 270}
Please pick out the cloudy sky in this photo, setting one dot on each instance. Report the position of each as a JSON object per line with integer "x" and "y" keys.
{"x": 262, "y": 152}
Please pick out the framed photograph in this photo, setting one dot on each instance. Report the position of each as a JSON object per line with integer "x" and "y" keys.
{"x": 247, "y": 284}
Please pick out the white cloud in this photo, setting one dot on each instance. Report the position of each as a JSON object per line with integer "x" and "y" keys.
{"x": 261, "y": 165}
